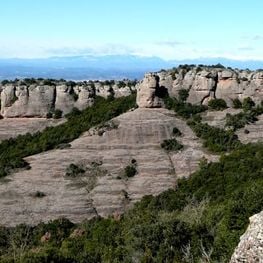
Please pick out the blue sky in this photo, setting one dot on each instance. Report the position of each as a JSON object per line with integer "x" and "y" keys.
{"x": 171, "y": 29}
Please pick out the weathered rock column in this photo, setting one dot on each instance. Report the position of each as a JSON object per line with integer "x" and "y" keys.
{"x": 149, "y": 93}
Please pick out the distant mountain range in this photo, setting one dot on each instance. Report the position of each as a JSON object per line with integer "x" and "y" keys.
{"x": 103, "y": 67}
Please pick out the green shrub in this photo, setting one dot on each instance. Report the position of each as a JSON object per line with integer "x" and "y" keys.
{"x": 249, "y": 115}
{"x": 246, "y": 131}
{"x": 171, "y": 145}
{"x": 57, "y": 114}
{"x": 49, "y": 115}
{"x": 74, "y": 95}
{"x": 130, "y": 171}
{"x": 176, "y": 132}
{"x": 5, "y": 82}
{"x": 74, "y": 113}
{"x": 74, "y": 170}
{"x": 215, "y": 139}
{"x": 183, "y": 95}
{"x": 248, "y": 104}
{"x": 239, "y": 120}
{"x": 217, "y": 104}
{"x": 185, "y": 110}
{"x": 237, "y": 104}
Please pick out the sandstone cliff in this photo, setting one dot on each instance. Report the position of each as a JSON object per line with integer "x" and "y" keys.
{"x": 22, "y": 99}
{"x": 203, "y": 84}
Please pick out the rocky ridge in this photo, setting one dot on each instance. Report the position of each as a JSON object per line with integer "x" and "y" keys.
{"x": 37, "y": 98}
{"x": 206, "y": 83}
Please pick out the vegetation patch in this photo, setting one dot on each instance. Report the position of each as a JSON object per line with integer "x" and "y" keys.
{"x": 171, "y": 145}
{"x": 217, "y": 104}
{"x": 215, "y": 139}
{"x": 74, "y": 170}
{"x": 247, "y": 116}
{"x": 38, "y": 194}
{"x": 183, "y": 109}
{"x": 176, "y": 132}
{"x": 237, "y": 104}
{"x": 130, "y": 171}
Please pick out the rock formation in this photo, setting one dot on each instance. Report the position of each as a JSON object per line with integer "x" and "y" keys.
{"x": 203, "y": 84}
{"x": 150, "y": 92}
{"x": 36, "y": 100}
{"x": 250, "y": 248}
{"x": 136, "y": 135}
{"x": 19, "y": 99}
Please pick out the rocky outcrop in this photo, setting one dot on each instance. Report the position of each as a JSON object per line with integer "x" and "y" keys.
{"x": 23, "y": 101}
{"x": 36, "y": 100}
{"x": 250, "y": 248}
{"x": 134, "y": 135}
{"x": 203, "y": 84}
{"x": 149, "y": 92}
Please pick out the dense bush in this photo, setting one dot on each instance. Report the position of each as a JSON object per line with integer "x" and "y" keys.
{"x": 185, "y": 110}
{"x": 49, "y": 115}
{"x": 217, "y": 104}
{"x": 183, "y": 95}
{"x": 215, "y": 139}
{"x": 57, "y": 114}
{"x": 239, "y": 120}
{"x": 130, "y": 171}
{"x": 171, "y": 145}
{"x": 248, "y": 104}
{"x": 74, "y": 170}
{"x": 176, "y": 132}
{"x": 237, "y": 104}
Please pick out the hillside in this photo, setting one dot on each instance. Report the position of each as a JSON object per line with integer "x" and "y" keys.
{"x": 182, "y": 152}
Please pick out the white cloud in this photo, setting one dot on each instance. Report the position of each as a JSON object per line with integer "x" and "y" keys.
{"x": 165, "y": 49}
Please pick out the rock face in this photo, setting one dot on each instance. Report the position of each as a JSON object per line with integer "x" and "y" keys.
{"x": 150, "y": 92}
{"x": 36, "y": 100}
{"x": 23, "y": 101}
{"x": 203, "y": 84}
{"x": 136, "y": 135}
{"x": 250, "y": 248}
